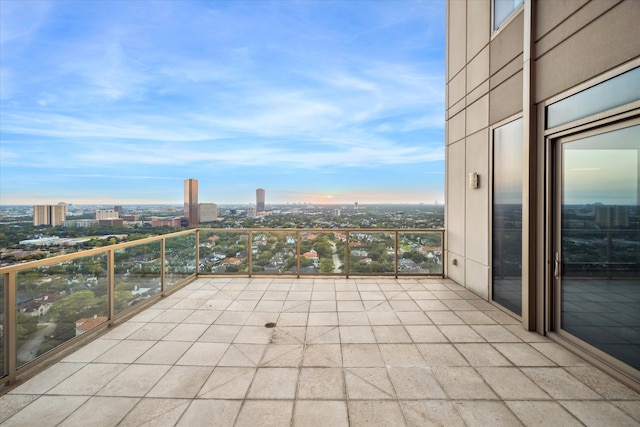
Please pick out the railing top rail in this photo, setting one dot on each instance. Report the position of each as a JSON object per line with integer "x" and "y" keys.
{"x": 105, "y": 249}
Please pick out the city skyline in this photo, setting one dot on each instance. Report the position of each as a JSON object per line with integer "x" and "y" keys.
{"x": 318, "y": 102}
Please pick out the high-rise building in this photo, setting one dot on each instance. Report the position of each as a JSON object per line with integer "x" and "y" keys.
{"x": 543, "y": 123}
{"x": 260, "y": 200}
{"x": 49, "y": 214}
{"x": 208, "y": 212}
{"x": 118, "y": 208}
{"x": 106, "y": 214}
{"x": 191, "y": 201}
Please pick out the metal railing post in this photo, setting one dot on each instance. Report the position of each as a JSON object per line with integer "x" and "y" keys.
{"x": 11, "y": 322}
{"x": 347, "y": 267}
{"x": 111, "y": 283}
{"x": 298, "y": 253}
{"x": 397, "y": 251}
{"x": 163, "y": 260}
{"x": 197, "y": 251}
{"x": 250, "y": 252}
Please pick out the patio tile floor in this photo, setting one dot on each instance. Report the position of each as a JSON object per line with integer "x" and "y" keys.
{"x": 344, "y": 352}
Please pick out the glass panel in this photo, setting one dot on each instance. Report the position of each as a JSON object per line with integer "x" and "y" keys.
{"x": 372, "y": 252}
{"x": 420, "y": 253}
{"x": 618, "y": 91}
{"x": 180, "y": 258}
{"x": 507, "y": 216}
{"x": 223, "y": 252}
{"x": 59, "y": 302}
{"x": 600, "y": 242}
{"x": 322, "y": 253}
{"x": 273, "y": 252}
{"x": 137, "y": 274}
{"x": 502, "y": 9}
{"x": 2, "y": 327}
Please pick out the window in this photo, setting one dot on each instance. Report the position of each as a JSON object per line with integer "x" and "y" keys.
{"x": 502, "y": 9}
{"x": 506, "y": 266}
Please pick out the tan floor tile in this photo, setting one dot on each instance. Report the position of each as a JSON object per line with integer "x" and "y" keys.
{"x": 560, "y": 384}
{"x": 322, "y": 306}
{"x": 206, "y": 317}
{"x": 361, "y": 355}
{"x": 431, "y": 413}
{"x": 242, "y": 305}
{"x": 102, "y": 411}
{"x": 220, "y": 413}
{"x": 441, "y": 355}
{"x": 374, "y": 413}
{"x": 158, "y": 412}
{"x": 413, "y": 318}
{"x": 186, "y": 332}
{"x": 243, "y": 355}
{"x": 91, "y": 351}
{"x": 415, "y": 383}
{"x": 282, "y": 355}
{"x": 323, "y": 335}
{"x": 495, "y": 333}
{"x": 383, "y": 318}
{"x": 463, "y": 383}
{"x": 486, "y": 413}
{"x": 152, "y": 331}
{"x": 403, "y": 305}
{"x": 522, "y": 354}
{"x": 460, "y": 334}
{"x": 475, "y": 317}
{"x": 316, "y": 413}
{"x": 431, "y": 305}
{"x": 203, "y": 354}
{"x": 233, "y": 318}
{"x": 348, "y": 305}
{"x": 274, "y": 383}
{"x": 293, "y": 319}
{"x": 630, "y": 407}
{"x": 135, "y": 381}
{"x": 299, "y": 296}
{"x": 181, "y": 382}
{"x": 88, "y": 380}
{"x": 543, "y": 414}
{"x": 265, "y": 413}
{"x": 503, "y": 318}
{"x": 368, "y": 383}
{"x": 194, "y": 303}
{"x": 444, "y": 318}
{"x": 321, "y": 383}
{"x": 10, "y": 404}
{"x": 289, "y": 335}
{"x": 401, "y": 355}
{"x": 482, "y": 355}
{"x": 353, "y": 318}
{"x": 459, "y": 305}
{"x": 602, "y": 383}
{"x": 261, "y": 318}
{"x": 421, "y": 295}
{"x": 391, "y": 334}
{"x": 558, "y": 354}
{"x": 227, "y": 383}
{"x": 425, "y": 334}
{"x": 348, "y": 295}
{"x": 599, "y": 414}
{"x": 323, "y": 296}
{"x": 296, "y": 306}
{"x": 47, "y": 379}
{"x": 45, "y": 411}
{"x": 322, "y": 319}
{"x": 322, "y": 355}
{"x": 512, "y": 384}
{"x": 357, "y": 335}
{"x": 220, "y": 333}
{"x": 274, "y": 295}
{"x": 172, "y": 316}
{"x": 253, "y": 335}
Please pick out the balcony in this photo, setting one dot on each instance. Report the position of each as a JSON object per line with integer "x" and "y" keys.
{"x": 176, "y": 346}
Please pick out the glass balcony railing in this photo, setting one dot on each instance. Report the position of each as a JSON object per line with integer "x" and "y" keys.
{"x": 50, "y": 304}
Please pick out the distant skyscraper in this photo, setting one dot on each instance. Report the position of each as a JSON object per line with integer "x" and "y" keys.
{"x": 208, "y": 212}
{"x": 191, "y": 202}
{"x": 259, "y": 200}
{"x": 118, "y": 208}
{"x": 49, "y": 214}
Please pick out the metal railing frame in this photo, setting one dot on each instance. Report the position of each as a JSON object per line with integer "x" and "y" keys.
{"x": 8, "y": 273}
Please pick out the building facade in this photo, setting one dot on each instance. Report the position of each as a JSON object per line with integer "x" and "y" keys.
{"x": 52, "y": 215}
{"x": 260, "y": 200}
{"x": 208, "y": 212}
{"x": 106, "y": 214}
{"x": 543, "y": 168}
{"x": 191, "y": 202}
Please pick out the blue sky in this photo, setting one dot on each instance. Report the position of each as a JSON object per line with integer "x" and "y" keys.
{"x": 314, "y": 101}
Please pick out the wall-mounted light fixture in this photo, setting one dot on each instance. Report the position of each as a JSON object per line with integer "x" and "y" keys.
{"x": 474, "y": 180}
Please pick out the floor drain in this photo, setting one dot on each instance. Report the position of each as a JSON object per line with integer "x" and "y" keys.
{"x": 270, "y": 325}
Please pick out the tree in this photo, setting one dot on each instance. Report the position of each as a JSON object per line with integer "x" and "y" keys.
{"x": 326, "y": 266}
